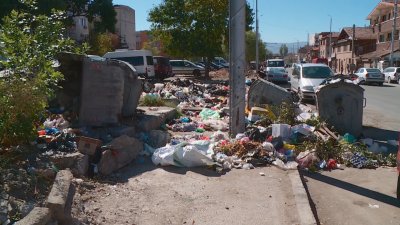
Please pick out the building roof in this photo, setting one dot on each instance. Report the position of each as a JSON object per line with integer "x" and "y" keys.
{"x": 383, "y": 5}
{"x": 361, "y": 33}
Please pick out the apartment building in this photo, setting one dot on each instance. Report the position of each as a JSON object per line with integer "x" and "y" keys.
{"x": 125, "y": 27}
{"x": 381, "y": 23}
{"x": 79, "y": 30}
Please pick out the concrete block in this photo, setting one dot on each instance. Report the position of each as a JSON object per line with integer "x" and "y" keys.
{"x": 154, "y": 117}
{"x": 123, "y": 150}
{"x": 38, "y": 216}
{"x": 77, "y": 162}
{"x": 57, "y": 199}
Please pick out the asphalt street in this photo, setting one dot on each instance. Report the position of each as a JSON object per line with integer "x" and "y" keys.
{"x": 382, "y": 109}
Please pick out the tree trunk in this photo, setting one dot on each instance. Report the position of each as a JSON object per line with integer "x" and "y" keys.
{"x": 207, "y": 73}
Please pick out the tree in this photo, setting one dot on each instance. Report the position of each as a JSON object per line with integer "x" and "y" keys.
{"x": 30, "y": 43}
{"x": 151, "y": 47}
{"x": 249, "y": 17}
{"x": 283, "y": 50}
{"x": 100, "y": 12}
{"x": 251, "y": 47}
{"x": 104, "y": 11}
{"x": 190, "y": 28}
{"x": 103, "y": 43}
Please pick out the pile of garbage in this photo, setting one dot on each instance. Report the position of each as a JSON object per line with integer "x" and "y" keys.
{"x": 287, "y": 136}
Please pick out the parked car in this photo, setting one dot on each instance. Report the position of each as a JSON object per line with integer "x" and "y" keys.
{"x": 309, "y": 76}
{"x": 162, "y": 67}
{"x": 392, "y": 74}
{"x": 142, "y": 60}
{"x": 221, "y": 62}
{"x": 186, "y": 67}
{"x": 277, "y": 74}
{"x": 201, "y": 64}
{"x": 213, "y": 66}
{"x": 370, "y": 75}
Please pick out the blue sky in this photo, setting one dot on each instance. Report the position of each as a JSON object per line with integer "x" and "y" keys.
{"x": 286, "y": 21}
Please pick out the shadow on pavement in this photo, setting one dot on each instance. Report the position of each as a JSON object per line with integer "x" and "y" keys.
{"x": 199, "y": 170}
{"x": 144, "y": 164}
{"x": 353, "y": 188}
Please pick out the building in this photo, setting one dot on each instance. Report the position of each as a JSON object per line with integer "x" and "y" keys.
{"x": 125, "y": 27}
{"x": 343, "y": 54}
{"x": 381, "y": 24}
{"x": 325, "y": 43}
{"x": 144, "y": 39}
{"x": 79, "y": 31}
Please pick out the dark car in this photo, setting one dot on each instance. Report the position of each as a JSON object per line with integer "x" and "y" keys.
{"x": 162, "y": 67}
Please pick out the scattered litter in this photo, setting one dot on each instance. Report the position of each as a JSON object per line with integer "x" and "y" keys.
{"x": 373, "y": 206}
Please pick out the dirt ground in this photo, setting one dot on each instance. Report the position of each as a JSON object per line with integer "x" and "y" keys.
{"x": 144, "y": 194}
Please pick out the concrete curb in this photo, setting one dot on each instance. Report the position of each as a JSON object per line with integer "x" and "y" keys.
{"x": 57, "y": 204}
{"x": 303, "y": 205}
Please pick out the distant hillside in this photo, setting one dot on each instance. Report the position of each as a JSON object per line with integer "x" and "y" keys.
{"x": 274, "y": 47}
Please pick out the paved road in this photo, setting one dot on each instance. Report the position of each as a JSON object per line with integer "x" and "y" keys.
{"x": 383, "y": 107}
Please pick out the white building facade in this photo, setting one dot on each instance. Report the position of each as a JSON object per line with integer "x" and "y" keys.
{"x": 125, "y": 27}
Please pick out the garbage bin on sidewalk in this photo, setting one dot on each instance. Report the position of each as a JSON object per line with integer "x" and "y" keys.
{"x": 341, "y": 105}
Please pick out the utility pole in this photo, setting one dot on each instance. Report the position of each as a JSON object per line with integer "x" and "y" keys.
{"x": 393, "y": 33}
{"x": 237, "y": 66}
{"x": 352, "y": 42}
{"x": 330, "y": 40}
{"x": 257, "y": 57}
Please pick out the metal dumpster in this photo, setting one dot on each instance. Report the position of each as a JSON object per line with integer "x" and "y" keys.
{"x": 99, "y": 90}
{"x": 263, "y": 92}
{"x": 341, "y": 105}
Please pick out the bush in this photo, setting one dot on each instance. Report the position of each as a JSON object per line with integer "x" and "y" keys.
{"x": 22, "y": 104}
{"x": 30, "y": 44}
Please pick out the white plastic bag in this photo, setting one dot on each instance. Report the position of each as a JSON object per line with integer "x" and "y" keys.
{"x": 190, "y": 156}
{"x": 164, "y": 156}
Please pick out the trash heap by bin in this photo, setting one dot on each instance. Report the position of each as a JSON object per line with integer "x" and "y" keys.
{"x": 289, "y": 136}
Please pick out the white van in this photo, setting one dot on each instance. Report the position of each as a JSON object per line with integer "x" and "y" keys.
{"x": 280, "y": 63}
{"x": 142, "y": 60}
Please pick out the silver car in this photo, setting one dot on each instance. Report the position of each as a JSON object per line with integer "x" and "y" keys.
{"x": 277, "y": 74}
{"x": 185, "y": 67}
{"x": 370, "y": 75}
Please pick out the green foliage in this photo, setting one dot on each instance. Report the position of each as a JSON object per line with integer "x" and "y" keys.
{"x": 104, "y": 11}
{"x": 283, "y": 50}
{"x": 190, "y": 28}
{"x": 151, "y": 100}
{"x": 103, "y": 43}
{"x": 151, "y": 47}
{"x": 251, "y": 47}
{"x": 30, "y": 44}
{"x": 249, "y": 17}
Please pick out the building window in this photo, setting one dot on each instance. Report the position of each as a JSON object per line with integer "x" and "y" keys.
{"x": 383, "y": 18}
{"x": 381, "y": 38}
{"x": 389, "y": 37}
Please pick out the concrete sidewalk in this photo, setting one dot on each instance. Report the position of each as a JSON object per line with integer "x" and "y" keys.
{"x": 145, "y": 194}
{"x": 355, "y": 196}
